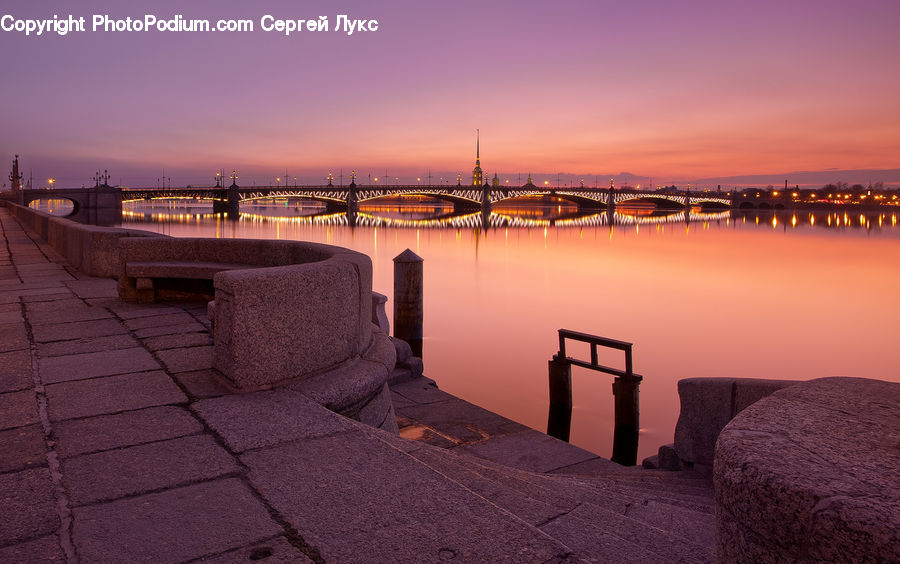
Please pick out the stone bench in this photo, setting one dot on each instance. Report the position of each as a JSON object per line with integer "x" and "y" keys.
{"x": 812, "y": 474}
{"x": 148, "y": 275}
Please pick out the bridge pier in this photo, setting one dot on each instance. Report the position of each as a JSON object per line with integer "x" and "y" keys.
{"x": 230, "y": 205}
{"x": 352, "y": 199}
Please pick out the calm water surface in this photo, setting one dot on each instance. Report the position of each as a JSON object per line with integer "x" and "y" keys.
{"x": 789, "y": 296}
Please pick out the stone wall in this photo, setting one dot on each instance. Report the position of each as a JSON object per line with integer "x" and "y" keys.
{"x": 707, "y": 405}
{"x": 91, "y": 249}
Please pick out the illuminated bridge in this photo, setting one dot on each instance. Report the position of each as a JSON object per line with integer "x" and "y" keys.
{"x": 462, "y": 197}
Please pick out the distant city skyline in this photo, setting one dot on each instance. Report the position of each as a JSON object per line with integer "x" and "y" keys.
{"x": 690, "y": 92}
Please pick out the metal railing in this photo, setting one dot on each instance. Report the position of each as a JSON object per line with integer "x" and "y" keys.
{"x": 625, "y": 391}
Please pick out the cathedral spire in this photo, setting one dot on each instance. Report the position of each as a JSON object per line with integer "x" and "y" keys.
{"x": 477, "y": 175}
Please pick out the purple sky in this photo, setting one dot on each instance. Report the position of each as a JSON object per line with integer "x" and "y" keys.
{"x": 669, "y": 90}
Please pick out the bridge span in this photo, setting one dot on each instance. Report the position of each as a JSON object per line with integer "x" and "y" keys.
{"x": 462, "y": 197}
{"x": 348, "y": 198}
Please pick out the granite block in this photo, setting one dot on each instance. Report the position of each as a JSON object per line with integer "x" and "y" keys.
{"x": 13, "y": 336}
{"x": 80, "y": 329}
{"x": 128, "y": 310}
{"x": 748, "y": 391}
{"x": 86, "y": 345}
{"x": 18, "y": 409}
{"x": 172, "y": 526}
{"x": 21, "y": 448}
{"x": 95, "y": 364}
{"x": 27, "y": 505}
{"x": 94, "y": 434}
{"x": 381, "y": 350}
{"x": 189, "y": 327}
{"x": 166, "y": 318}
{"x": 261, "y": 419}
{"x": 379, "y": 412}
{"x": 187, "y": 359}
{"x": 203, "y": 384}
{"x": 705, "y": 410}
{"x": 460, "y": 420}
{"x": 180, "y": 340}
{"x": 67, "y": 315}
{"x": 421, "y": 390}
{"x": 94, "y": 288}
{"x": 344, "y": 387}
{"x": 101, "y": 396}
{"x": 402, "y": 349}
{"x": 15, "y": 371}
{"x": 529, "y": 450}
{"x": 44, "y": 549}
{"x": 264, "y": 334}
{"x": 133, "y": 470}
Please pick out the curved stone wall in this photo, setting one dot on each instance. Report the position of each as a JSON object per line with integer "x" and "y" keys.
{"x": 298, "y": 308}
{"x": 812, "y": 474}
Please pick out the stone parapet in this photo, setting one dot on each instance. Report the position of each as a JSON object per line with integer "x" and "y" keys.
{"x": 91, "y": 249}
{"x": 812, "y": 473}
{"x": 707, "y": 405}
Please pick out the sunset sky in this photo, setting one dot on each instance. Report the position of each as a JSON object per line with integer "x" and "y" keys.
{"x": 669, "y": 90}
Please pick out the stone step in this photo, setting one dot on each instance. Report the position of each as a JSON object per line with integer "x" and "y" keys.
{"x": 699, "y": 499}
{"x": 596, "y": 519}
{"x": 354, "y": 494}
{"x": 668, "y": 510}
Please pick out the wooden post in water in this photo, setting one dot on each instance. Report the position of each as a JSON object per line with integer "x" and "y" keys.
{"x": 625, "y": 433}
{"x": 408, "y": 299}
{"x": 559, "y": 418}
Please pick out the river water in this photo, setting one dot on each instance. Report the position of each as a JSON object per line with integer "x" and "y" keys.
{"x": 796, "y": 295}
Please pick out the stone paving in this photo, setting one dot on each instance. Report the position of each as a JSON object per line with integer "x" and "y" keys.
{"x": 119, "y": 444}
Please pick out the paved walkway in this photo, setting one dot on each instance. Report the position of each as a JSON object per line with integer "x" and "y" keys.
{"x": 117, "y": 444}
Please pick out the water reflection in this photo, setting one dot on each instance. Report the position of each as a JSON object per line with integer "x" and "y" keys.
{"x": 53, "y": 206}
{"x": 438, "y": 215}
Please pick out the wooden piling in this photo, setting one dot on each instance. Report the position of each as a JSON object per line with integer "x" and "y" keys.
{"x": 625, "y": 433}
{"x": 559, "y": 418}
